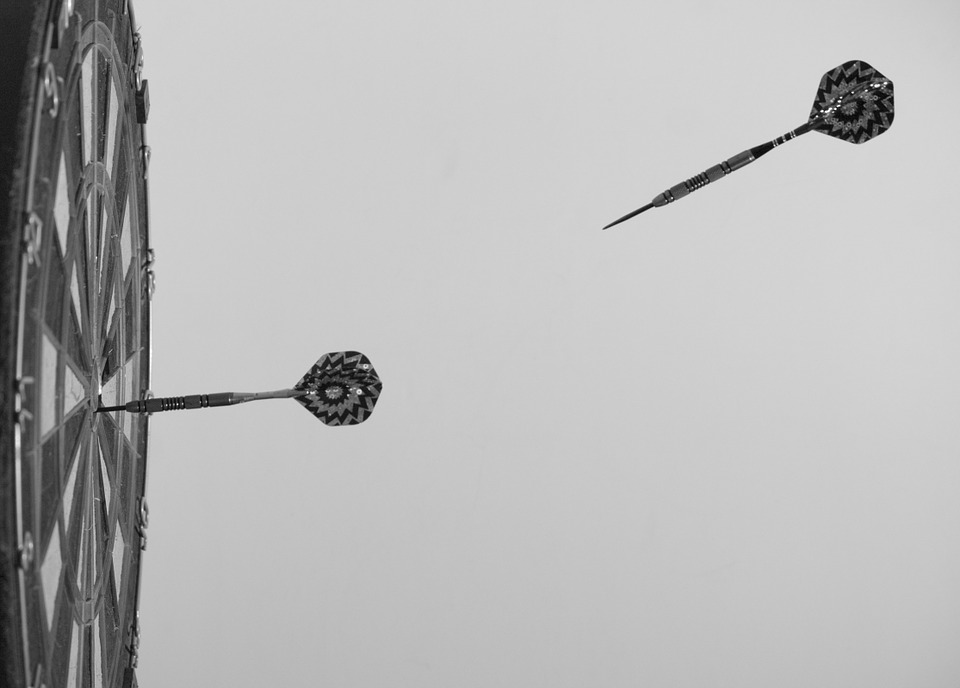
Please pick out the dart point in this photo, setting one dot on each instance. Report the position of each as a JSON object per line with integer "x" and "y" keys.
{"x": 629, "y": 215}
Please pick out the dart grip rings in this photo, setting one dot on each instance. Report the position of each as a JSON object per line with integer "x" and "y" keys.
{"x": 711, "y": 175}
{"x": 192, "y": 401}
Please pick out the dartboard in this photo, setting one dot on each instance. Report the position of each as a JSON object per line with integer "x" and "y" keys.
{"x": 77, "y": 281}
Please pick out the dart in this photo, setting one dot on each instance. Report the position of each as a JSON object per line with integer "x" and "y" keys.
{"x": 854, "y": 102}
{"x": 341, "y": 388}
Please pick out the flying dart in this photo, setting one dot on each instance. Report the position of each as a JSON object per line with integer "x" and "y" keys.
{"x": 341, "y": 388}
{"x": 854, "y": 102}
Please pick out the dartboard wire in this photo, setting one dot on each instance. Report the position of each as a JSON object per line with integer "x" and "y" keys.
{"x": 81, "y": 266}
{"x": 111, "y": 304}
{"x": 92, "y": 197}
{"x": 112, "y": 474}
{"x": 71, "y": 317}
{"x": 115, "y": 338}
{"x": 78, "y": 519}
{"x": 109, "y": 447}
{"x": 84, "y": 560}
{"x": 76, "y": 250}
{"x": 90, "y": 554}
{"x": 65, "y": 613}
{"x": 104, "y": 518}
{"x": 110, "y": 470}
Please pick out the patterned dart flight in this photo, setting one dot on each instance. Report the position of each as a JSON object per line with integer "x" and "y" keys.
{"x": 341, "y": 388}
{"x": 854, "y": 102}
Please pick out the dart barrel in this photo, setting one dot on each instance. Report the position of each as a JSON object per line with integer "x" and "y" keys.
{"x": 718, "y": 171}
{"x": 192, "y": 401}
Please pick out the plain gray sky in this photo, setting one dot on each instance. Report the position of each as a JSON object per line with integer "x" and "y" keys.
{"x": 715, "y": 446}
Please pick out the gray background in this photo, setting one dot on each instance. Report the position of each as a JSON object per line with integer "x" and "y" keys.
{"x": 716, "y": 446}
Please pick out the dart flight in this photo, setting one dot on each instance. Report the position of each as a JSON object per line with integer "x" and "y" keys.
{"x": 854, "y": 102}
{"x": 341, "y": 388}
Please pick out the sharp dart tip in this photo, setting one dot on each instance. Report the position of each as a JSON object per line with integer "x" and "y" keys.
{"x": 629, "y": 215}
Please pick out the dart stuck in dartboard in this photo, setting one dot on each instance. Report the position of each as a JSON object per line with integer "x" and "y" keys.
{"x": 341, "y": 388}
{"x": 854, "y": 102}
